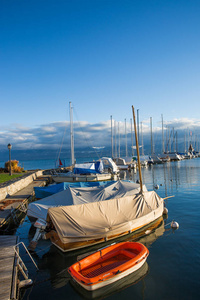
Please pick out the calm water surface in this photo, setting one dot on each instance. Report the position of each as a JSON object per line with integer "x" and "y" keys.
{"x": 172, "y": 270}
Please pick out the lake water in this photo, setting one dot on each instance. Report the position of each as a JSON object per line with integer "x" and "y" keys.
{"x": 172, "y": 270}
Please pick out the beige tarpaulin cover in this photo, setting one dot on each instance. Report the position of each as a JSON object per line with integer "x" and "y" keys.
{"x": 101, "y": 219}
{"x": 81, "y": 195}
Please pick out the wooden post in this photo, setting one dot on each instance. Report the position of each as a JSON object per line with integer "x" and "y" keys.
{"x": 138, "y": 153}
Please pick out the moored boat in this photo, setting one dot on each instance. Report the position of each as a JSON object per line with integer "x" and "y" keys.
{"x": 173, "y": 156}
{"x": 46, "y": 191}
{"x": 79, "y": 226}
{"x": 102, "y": 170}
{"x": 85, "y": 192}
{"x": 114, "y": 288}
{"x": 109, "y": 264}
{"x": 121, "y": 163}
{"x": 84, "y": 225}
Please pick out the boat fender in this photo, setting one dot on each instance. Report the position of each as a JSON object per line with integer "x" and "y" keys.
{"x": 148, "y": 231}
{"x": 156, "y": 186}
{"x": 165, "y": 211}
{"x": 25, "y": 283}
{"x": 174, "y": 225}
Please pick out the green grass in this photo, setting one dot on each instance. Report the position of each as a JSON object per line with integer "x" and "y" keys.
{"x": 6, "y": 177}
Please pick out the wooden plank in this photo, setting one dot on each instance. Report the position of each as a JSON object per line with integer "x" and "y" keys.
{"x": 21, "y": 196}
{"x": 7, "y": 256}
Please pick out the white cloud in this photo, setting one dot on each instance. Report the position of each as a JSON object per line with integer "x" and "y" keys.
{"x": 85, "y": 134}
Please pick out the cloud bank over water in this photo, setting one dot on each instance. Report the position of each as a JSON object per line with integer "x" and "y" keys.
{"x": 57, "y": 134}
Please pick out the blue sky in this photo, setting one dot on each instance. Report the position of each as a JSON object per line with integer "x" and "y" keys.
{"x": 104, "y": 57}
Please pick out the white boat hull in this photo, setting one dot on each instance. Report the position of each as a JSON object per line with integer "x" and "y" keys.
{"x": 81, "y": 178}
{"x": 113, "y": 279}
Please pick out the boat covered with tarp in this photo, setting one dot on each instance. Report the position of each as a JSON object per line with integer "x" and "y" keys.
{"x": 81, "y": 195}
{"x": 45, "y": 191}
{"x": 78, "y": 226}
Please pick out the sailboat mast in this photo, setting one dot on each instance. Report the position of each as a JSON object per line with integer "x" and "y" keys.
{"x": 111, "y": 136}
{"x": 151, "y": 136}
{"x": 138, "y": 153}
{"x": 115, "y": 138}
{"x": 170, "y": 148}
{"x": 163, "y": 146}
{"x": 131, "y": 138}
{"x": 71, "y": 133}
{"x": 119, "y": 139}
{"x": 126, "y": 139}
{"x": 142, "y": 140}
{"x": 185, "y": 142}
{"x": 138, "y": 126}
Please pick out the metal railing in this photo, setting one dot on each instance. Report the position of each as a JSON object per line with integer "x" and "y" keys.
{"x": 22, "y": 267}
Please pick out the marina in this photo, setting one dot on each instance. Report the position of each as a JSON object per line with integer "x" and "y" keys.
{"x": 179, "y": 179}
{"x": 100, "y": 150}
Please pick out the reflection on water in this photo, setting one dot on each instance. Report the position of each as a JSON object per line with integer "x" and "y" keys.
{"x": 57, "y": 262}
{"x": 168, "y": 175}
{"x": 151, "y": 234}
{"x": 113, "y": 288}
{"x": 174, "y": 260}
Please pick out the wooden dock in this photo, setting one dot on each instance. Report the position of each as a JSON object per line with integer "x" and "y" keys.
{"x": 16, "y": 205}
{"x": 9, "y": 209}
{"x": 8, "y": 272}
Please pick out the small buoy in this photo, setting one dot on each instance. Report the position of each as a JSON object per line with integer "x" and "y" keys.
{"x": 156, "y": 186}
{"x": 161, "y": 184}
{"x": 165, "y": 211}
{"x": 174, "y": 225}
{"x": 25, "y": 283}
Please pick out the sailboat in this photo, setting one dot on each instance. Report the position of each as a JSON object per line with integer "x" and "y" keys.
{"x": 156, "y": 159}
{"x": 90, "y": 172}
{"x": 119, "y": 161}
{"x": 171, "y": 155}
{"x": 79, "y": 226}
{"x": 101, "y": 170}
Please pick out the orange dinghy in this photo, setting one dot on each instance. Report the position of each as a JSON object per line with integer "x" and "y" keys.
{"x": 109, "y": 264}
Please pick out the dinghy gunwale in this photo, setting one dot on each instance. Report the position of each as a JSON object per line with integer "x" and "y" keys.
{"x": 136, "y": 252}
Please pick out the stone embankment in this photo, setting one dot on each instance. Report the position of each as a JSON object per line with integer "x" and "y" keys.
{"x": 11, "y": 187}
{"x": 15, "y": 196}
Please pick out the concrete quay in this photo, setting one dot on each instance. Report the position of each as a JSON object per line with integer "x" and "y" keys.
{"x": 14, "y": 197}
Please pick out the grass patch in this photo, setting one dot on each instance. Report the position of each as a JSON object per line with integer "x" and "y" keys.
{"x": 6, "y": 177}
